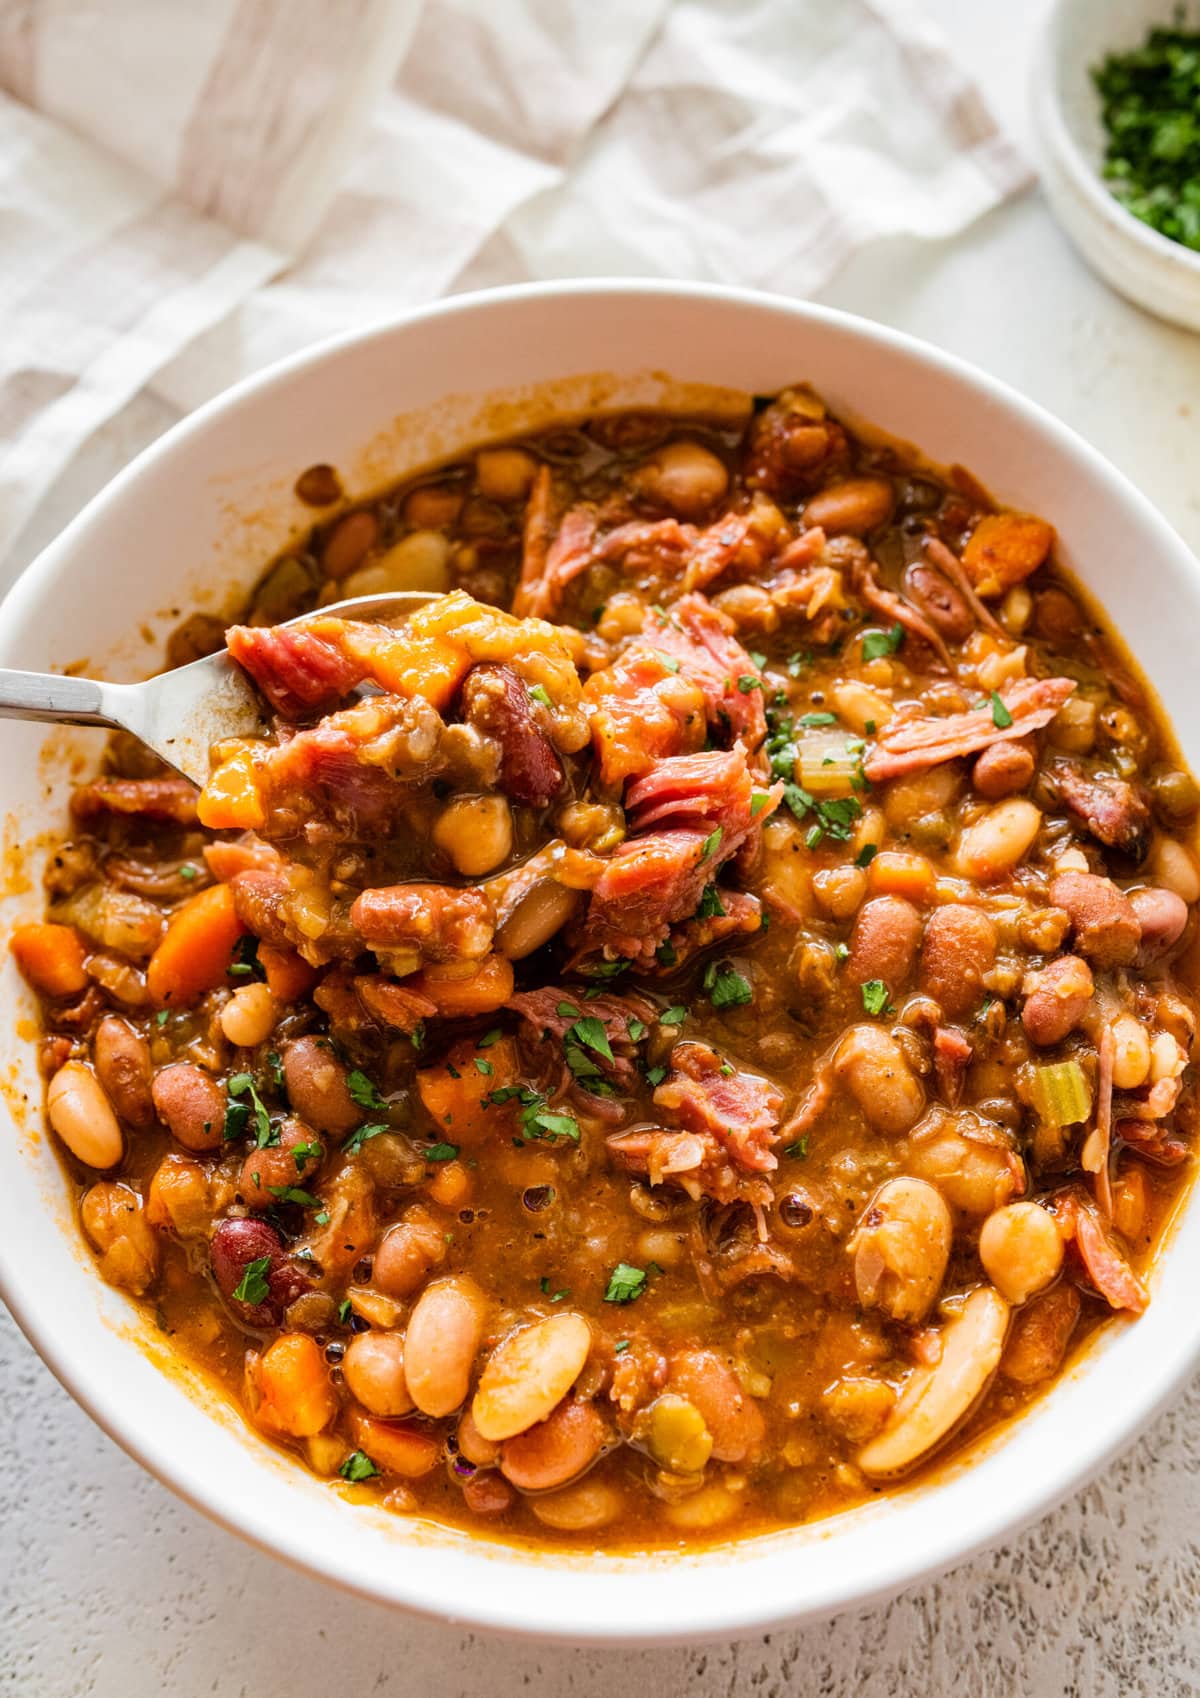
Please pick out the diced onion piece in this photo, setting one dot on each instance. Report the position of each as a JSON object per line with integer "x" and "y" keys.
{"x": 1061, "y": 1093}
{"x": 829, "y": 763}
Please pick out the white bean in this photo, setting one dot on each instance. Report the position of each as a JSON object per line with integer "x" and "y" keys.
{"x": 529, "y": 1372}
{"x": 1131, "y": 1053}
{"x": 248, "y": 1018}
{"x": 83, "y": 1117}
{"x": 443, "y": 1335}
{"x": 418, "y": 561}
{"x": 1175, "y": 867}
{"x": 504, "y": 474}
{"x": 476, "y": 832}
{"x": 1021, "y": 1250}
{"x": 998, "y": 840}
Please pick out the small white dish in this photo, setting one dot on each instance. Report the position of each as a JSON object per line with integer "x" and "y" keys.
{"x": 1146, "y": 267}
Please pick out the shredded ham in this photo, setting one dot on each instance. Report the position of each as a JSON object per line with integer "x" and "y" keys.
{"x": 1098, "y": 1144}
{"x": 910, "y": 745}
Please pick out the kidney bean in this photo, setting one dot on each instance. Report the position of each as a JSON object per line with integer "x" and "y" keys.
{"x": 486, "y": 1493}
{"x": 1104, "y": 921}
{"x": 959, "y": 947}
{"x": 317, "y": 1088}
{"x": 1162, "y": 916}
{"x": 555, "y": 1451}
{"x": 258, "y": 896}
{"x": 852, "y": 507}
{"x": 883, "y": 943}
{"x": 945, "y": 606}
{"x": 497, "y": 703}
{"x": 122, "y": 1062}
{"x": 191, "y": 1105}
{"x": 1002, "y": 770}
{"x": 237, "y": 1243}
{"x": 1040, "y": 1335}
{"x": 1056, "y": 998}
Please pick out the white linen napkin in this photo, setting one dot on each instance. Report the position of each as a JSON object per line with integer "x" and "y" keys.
{"x": 190, "y": 188}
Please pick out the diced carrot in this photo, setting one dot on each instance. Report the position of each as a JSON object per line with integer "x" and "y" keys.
{"x": 458, "y": 998}
{"x": 1004, "y": 548}
{"x": 394, "y": 1446}
{"x": 195, "y": 954}
{"x": 230, "y": 800}
{"x": 51, "y": 958}
{"x": 297, "y": 1395}
{"x": 227, "y": 860}
{"x": 456, "y": 1093}
{"x": 897, "y": 872}
{"x": 289, "y": 976}
{"x": 450, "y": 1185}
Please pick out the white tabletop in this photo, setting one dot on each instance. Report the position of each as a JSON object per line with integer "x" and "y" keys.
{"x": 109, "y": 1587}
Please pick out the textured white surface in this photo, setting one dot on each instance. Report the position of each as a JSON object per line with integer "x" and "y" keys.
{"x": 109, "y": 1587}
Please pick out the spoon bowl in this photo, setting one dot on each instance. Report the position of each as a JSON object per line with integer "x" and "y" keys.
{"x": 179, "y": 714}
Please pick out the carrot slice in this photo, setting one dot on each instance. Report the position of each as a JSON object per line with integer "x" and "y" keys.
{"x": 51, "y": 958}
{"x": 194, "y": 955}
{"x": 289, "y": 976}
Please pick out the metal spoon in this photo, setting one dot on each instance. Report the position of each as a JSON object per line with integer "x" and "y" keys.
{"x": 179, "y": 714}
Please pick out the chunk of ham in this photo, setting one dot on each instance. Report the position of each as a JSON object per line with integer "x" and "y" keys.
{"x": 642, "y": 709}
{"x": 169, "y": 800}
{"x": 740, "y": 1110}
{"x": 298, "y": 670}
{"x": 1104, "y": 1264}
{"x": 1106, "y": 806}
{"x": 701, "y": 638}
{"x": 742, "y": 917}
{"x": 910, "y": 745}
{"x": 496, "y": 702}
{"x": 651, "y": 883}
{"x": 548, "y": 1013}
{"x": 438, "y": 921}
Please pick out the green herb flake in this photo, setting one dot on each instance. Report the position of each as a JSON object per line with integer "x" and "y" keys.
{"x": 711, "y": 844}
{"x": 726, "y": 987}
{"x": 356, "y": 1140}
{"x": 295, "y": 1194}
{"x": 568, "y": 1011}
{"x": 866, "y": 855}
{"x": 711, "y": 907}
{"x": 810, "y": 721}
{"x": 669, "y": 661}
{"x": 187, "y": 871}
{"x": 275, "y": 1064}
{"x": 306, "y": 1152}
{"x": 543, "y": 1122}
{"x": 842, "y": 951}
{"x": 666, "y": 954}
{"x": 797, "y": 1150}
{"x": 875, "y": 997}
{"x": 556, "y": 1296}
{"x": 253, "y": 1287}
{"x": 322, "y": 1217}
{"x": 590, "y": 1033}
{"x": 620, "y": 1347}
{"x": 673, "y": 1016}
{"x": 358, "y": 1466}
{"x": 1001, "y": 717}
{"x": 490, "y": 1038}
{"x": 441, "y": 1152}
{"x": 541, "y": 694}
{"x": 344, "y": 1310}
{"x": 748, "y": 682}
{"x": 877, "y": 644}
{"x": 625, "y": 1283}
{"x": 655, "y": 1075}
{"x": 242, "y": 1085}
{"x": 161, "y": 1018}
{"x": 363, "y": 1091}
{"x": 482, "y": 1066}
{"x": 245, "y": 963}
{"x": 758, "y": 802}
{"x": 637, "y": 1030}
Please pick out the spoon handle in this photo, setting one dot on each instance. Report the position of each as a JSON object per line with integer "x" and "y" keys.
{"x": 54, "y": 699}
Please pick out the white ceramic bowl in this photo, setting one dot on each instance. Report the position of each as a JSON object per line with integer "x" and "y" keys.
{"x": 199, "y": 513}
{"x": 1150, "y": 269}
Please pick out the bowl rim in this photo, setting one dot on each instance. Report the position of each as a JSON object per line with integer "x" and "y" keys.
{"x": 1059, "y": 140}
{"x": 742, "y": 1609}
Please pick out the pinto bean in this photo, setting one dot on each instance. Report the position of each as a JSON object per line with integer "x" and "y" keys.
{"x": 528, "y": 1373}
{"x": 408, "y": 1253}
{"x": 556, "y": 1450}
{"x": 542, "y": 911}
{"x": 258, "y": 897}
{"x": 289, "y": 1162}
{"x": 83, "y": 1117}
{"x": 1104, "y": 920}
{"x": 444, "y": 1332}
{"x": 1055, "y": 999}
{"x": 485, "y": 1493}
{"x": 497, "y": 703}
{"x": 876, "y": 1072}
{"x": 731, "y": 1415}
{"x": 852, "y": 507}
{"x": 1003, "y": 769}
{"x": 472, "y": 1445}
{"x": 122, "y": 1062}
{"x": 373, "y": 1367}
{"x": 901, "y": 1247}
{"x": 998, "y": 840}
{"x": 1040, "y": 1336}
{"x": 973, "y": 1166}
{"x": 883, "y": 943}
{"x": 580, "y": 1508}
{"x": 317, "y": 1088}
{"x": 684, "y": 477}
{"x": 191, "y": 1105}
{"x": 959, "y": 947}
{"x": 946, "y": 607}
{"x": 1162, "y": 916}
{"x": 349, "y": 540}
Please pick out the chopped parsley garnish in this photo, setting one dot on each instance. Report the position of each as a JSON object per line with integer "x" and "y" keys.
{"x": 589, "y": 1031}
{"x": 557, "y": 1296}
{"x": 876, "y": 644}
{"x": 748, "y": 682}
{"x": 236, "y": 1116}
{"x": 452, "y": 1070}
{"x": 161, "y": 1018}
{"x": 673, "y": 1016}
{"x": 363, "y": 1091}
{"x": 841, "y": 950}
{"x": 798, "y": 661}
{"x": 726, "y": 987}
{"x": 441, "y": 1152}
{"x": 484, "y": 1067}
{"x": 275, "y": 1063}
{"x": 605, "y": 969}
{"x": 358, "y": 1466}
{"x": 620, "y": 1347}
{"x": 711, "y": 907}
{"x": 875, "y": 996}
{"x": 344, "y": 1310}
{"x": 356, "y": 1140}
{"x": 242, "y": 1085}
{"x": 655, "y": 1075}
{"x": 541, "y": 694}
{"x": 666, "y": 954}
{"x": 245, "y": 963}
{"x": 568, "y": 1011}
{"x": 711, "y": 843}
{"x": 758, "y": 802}
{"x": 669, "y": 661}
{"x": 306, "y": 1152}
{"x": 322, "y": 1217}
{"x": 294, "y": 1194}
{"x": 490, "y": 1038}
{"x": 637, "y": 1030}
{"x": 1150, "y": 102}
{"x": 797, "y": 1149}
{"x": 537, "y": 1121}
{"x": 187, "y": 871}
{"x": 625, "y": 1283}
{"x": 1000, "y": 714}
{"x": 809, "y": 721}
{"x": 866, "y": 855}
{"x": 253, "y": 1286}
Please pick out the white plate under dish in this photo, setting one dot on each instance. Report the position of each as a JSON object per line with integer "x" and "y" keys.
{"x": 195, "y": 517}
{"x": 1143, "y": 265}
